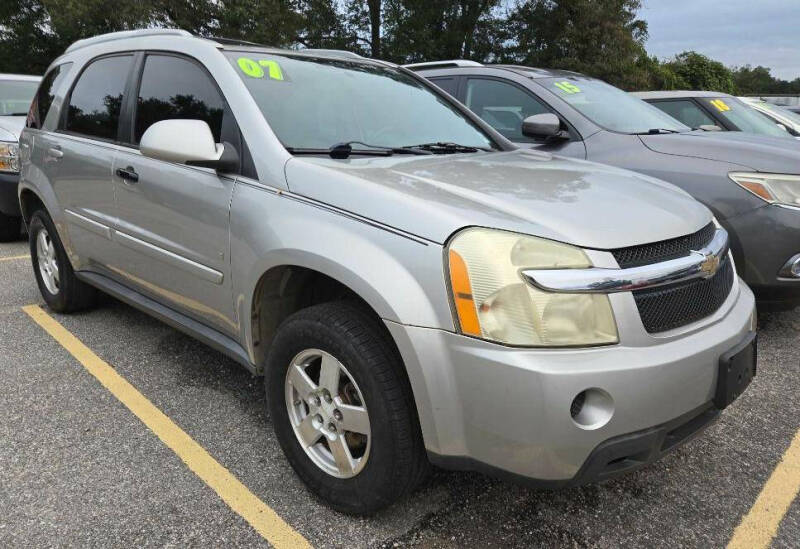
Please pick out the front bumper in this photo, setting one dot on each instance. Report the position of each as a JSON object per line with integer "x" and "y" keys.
{"x": 762, "y": 241}
{"x": 506, "y": 411}
{"x": 9, "y": 201}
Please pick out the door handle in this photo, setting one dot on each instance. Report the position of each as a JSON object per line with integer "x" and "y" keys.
{"x": 55, "y": 153}
{"x": 128, "y": 174}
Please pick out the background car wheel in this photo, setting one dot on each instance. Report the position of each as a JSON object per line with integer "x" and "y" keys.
{"x": 342, "y": 408}
{"x": 59, "y": 287}
{"x": 9, "y": 228}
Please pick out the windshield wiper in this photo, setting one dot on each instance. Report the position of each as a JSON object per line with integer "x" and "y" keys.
{"x": 656, "y": 131}
{"x": 441, "y": 147}
{"x": 344, "y": 150}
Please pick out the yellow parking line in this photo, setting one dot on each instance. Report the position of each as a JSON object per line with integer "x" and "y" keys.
{"x": 260, "y": 516}
{"x": 14, "y": 257}
{"x": 761, "y": 524}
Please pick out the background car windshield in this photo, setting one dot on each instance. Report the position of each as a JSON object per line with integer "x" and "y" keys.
{"x": 610, "y": 107}
{"x": 744, "y": 117}
{"x": 316, "y": 103}
{"x": 16, "y": 96}
{"x": 781, "y": 112}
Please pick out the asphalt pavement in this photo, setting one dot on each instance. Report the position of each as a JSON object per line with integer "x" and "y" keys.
{"x": 78, "y": 468}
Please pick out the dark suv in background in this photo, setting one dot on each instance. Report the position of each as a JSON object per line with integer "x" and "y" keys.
{"x": 751, "y": 183}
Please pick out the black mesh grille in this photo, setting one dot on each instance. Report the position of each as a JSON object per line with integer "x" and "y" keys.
{"x": 664, "y": 250}
{"x": 668, "y": 307}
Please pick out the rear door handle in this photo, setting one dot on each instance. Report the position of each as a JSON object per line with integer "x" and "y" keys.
{"x": 128, "y": 174}
{"x": 55, "y": 153}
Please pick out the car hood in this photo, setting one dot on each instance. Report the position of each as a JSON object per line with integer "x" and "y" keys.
{"x": 759, "y": 153}
{"x": 11, "y": 127}
{"x": 572, "y": 201}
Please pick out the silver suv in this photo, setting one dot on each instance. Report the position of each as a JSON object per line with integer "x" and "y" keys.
{"x": 413, "y": 287}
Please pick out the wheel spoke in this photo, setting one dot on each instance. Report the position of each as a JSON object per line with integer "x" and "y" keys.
{"x": 329, "y": 373}
{"x": 341, "y": 454}
{"x": 41, "y": 246}
{"x": 301, "y": 382}
{"x": 354, "y": 419}
{"x": 308, "y": 433}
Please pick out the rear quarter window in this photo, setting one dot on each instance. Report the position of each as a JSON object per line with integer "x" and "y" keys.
{"x": 43, "y": 100}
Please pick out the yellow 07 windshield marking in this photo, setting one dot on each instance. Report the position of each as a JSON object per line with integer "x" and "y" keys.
{"x": 255, "y": 69}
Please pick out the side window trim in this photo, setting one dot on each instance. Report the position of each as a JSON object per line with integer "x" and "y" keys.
{"x": 573, "y": 133}
{"x": 62, "y": 118}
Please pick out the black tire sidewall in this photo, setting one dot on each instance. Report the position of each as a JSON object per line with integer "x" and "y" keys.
{"x": 373, "y": 487}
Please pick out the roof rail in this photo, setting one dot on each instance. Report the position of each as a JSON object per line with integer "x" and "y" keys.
{"x": 331, "y": 53}
{"x": 231, "y": 41}
{"x": 443, "y": 64}
{"x": 125, "y": 34}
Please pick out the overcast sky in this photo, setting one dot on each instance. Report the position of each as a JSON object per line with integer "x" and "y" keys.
{"x": 736, "y": 32}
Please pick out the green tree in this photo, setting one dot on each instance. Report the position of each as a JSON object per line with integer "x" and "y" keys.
{"x": 755, "y": 80}
{"x": 702, "y": 73}
{"x": 420, "y": 30}
{"x": 602, "y": 38}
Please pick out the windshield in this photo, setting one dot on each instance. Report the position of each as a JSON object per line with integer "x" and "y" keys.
{"x": 16, "y": 96}
{"x": 610, "y": 107}
{"x": 744, "y": 117}
{"x": 313, "y": 103}
{"x": 780, "y": 112}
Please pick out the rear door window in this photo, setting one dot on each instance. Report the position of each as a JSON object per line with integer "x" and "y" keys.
{"x": 43, "y": 99}
{"x": 96, "y": 100}
{"x": 177, "y": 88}
{"x": 686, "y": 111}
{"x": 503, "y": 106}
{"x": 448, "y": 84}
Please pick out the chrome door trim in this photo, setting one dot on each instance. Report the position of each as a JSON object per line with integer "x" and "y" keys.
{"x": 88, "y": 224}
{"x": 702, "y": 263}
{"x": 197, "y": 269}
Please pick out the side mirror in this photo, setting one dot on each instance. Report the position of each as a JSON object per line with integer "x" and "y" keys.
{"x": 543, "y": 126}
{"x": 188, "y": 142}
{"x": 709, "y": 128}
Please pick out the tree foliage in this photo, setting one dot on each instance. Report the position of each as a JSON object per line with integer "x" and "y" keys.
{"x": 602, "y": 38}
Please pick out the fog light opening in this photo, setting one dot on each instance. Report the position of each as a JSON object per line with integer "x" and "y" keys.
{"x": 592, "y": 409}
{"x": 792, "y": 268}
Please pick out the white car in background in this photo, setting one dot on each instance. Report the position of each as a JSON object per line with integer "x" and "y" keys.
{"x": 16, "y": 93}
{"x": 781, "y": 116}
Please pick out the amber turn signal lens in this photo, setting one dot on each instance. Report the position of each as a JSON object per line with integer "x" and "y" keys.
{"x": 462, "y": 294}
{"x": 758, "y": 189}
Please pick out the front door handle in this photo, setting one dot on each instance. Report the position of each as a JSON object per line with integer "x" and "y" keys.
{"x": 55, "y": 153}
{"x": 128, "y": 174}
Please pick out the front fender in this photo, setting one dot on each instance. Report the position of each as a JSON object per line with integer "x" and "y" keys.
{"x": 400, "y": 277}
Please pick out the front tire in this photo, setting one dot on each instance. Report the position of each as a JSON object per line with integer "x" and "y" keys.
{"x": 60, "y": 288}
{"x": 342, "y": 409}
{"x": 9, "y": 227}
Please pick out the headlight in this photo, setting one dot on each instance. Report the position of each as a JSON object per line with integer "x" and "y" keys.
{"x": 492, "y": 300}
{"x": 9, "y": 157}
{"x": 773, "y": 187}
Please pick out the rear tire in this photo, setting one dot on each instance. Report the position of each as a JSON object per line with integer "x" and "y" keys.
{"x": 9, "y": 228}
{"x": 60, "y": 288}
{"x": 385, "y": 464}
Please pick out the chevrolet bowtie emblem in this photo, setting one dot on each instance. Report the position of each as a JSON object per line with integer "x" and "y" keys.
{"x": 710, "y": 265}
